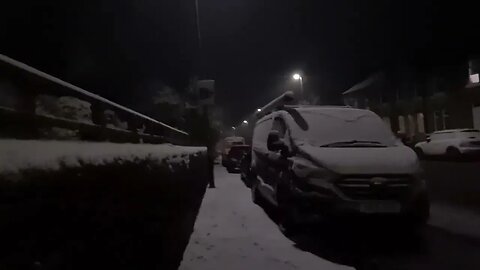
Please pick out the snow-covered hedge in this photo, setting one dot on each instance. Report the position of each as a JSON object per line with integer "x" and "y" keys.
{"x": 71, "y": 205}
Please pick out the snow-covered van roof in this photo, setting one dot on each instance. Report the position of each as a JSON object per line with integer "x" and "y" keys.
{"x": 332, "y": 110}
{"x": 323, "y": 125}
{"x": 342, "y": 112}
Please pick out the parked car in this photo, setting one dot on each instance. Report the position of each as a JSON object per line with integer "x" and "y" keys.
{"x": 227, "y": 143}
{"x": 234, "y": 156}
{"x": 452, "y": 143}
{"x": 335, "y": 161}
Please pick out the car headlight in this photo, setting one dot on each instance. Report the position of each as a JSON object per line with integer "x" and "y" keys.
{"x": 306, "y": 169}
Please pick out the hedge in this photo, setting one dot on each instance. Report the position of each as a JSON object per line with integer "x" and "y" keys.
{"x": 123, "y": 215}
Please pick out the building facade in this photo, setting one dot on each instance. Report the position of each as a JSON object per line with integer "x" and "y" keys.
{"x": 415, "y": 103}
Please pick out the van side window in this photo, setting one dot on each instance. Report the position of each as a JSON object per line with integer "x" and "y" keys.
{"x": 279, "y": 125}
{"x": 260, "y": 134}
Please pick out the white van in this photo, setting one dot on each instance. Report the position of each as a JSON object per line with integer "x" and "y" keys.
{"x": 335, "y": 160}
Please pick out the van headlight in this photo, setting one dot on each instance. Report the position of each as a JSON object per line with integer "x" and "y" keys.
{"x": 307, "y": 170}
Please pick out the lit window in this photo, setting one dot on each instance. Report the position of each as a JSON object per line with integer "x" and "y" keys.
{"x": 401, "y": 124}
{"x": 420, "y": 123}
{"x": 411, "y": 125}
{"x": 474, "y": 78}
{"x": 386, "y": 120}
{"x": 440, "y": 120}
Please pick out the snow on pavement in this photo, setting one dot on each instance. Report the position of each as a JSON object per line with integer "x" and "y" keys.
{"x": 455, "y": 219}
{"x": 231, "y": 232}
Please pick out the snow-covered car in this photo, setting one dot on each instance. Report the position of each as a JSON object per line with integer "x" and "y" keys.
{"x": 453, "y": 143}
{"x": 233, "y": 158}
{"x": 227, "y": 143}
{"x": 335, "y": 160}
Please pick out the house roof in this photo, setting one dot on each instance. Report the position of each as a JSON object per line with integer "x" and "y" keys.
{"x": 364, "y": 84}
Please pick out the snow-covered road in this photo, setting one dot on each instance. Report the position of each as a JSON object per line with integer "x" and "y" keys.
{"x": 231, "y": 232}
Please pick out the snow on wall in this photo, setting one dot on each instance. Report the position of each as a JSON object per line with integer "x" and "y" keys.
{"x": 17, "y": 155}
{"x": 66, "y": 107}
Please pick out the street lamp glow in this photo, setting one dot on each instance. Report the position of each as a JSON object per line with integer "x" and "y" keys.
{"x": 259, "y": 110}
{"x": 297, "y": 76}
{"x": 245, "y": 122}
{"x": 233, "y": 128}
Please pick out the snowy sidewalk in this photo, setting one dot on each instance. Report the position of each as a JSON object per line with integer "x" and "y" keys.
{"x": 231, "y": 232}
{"x": 455, "y": 219}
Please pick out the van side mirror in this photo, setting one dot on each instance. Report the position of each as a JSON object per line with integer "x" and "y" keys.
{"x": 274, "y": 143}
{"x": 428, "y": 139}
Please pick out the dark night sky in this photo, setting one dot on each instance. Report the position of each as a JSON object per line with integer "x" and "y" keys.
{"x": 251, "y": 47}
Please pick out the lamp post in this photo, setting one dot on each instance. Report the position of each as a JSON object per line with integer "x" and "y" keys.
{"x": 298, "y": 77}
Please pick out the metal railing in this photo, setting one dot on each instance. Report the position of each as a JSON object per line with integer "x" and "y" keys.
{"x": 21, "y": 120}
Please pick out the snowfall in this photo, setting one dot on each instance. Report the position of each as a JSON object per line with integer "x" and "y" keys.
{"x": 17, "y": 155}
{"x": 231, "y": 232}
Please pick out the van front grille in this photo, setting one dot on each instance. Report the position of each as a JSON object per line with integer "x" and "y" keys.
{"x": 375, "y": 187}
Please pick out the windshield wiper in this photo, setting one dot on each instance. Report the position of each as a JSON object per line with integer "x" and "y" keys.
{"x": 355, "y": 143}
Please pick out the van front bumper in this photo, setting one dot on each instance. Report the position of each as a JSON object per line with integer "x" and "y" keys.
{"x": 331, "y": 200}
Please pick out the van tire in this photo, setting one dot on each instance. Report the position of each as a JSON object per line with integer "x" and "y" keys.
{"x": 420, "y": 213}
{"x": 289, "y": 218}
{"x": 289, "y": 213}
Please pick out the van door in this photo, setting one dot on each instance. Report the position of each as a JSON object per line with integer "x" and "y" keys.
{"x": 276, "y": 162}
{"x": 259, "y": 147}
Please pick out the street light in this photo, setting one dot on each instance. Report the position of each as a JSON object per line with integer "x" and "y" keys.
{"x": 245, "y": 122}
{"x": 234, "y": 128}
{"x": 259, "y": 110}
{"x": 298, "y": 77}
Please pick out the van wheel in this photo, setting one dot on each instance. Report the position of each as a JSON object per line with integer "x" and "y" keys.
{"x": 290, "y": 215}
{"x": 420, "y": 153}
{"x": 289, "y": 219}
{"x": 453, "y": 152}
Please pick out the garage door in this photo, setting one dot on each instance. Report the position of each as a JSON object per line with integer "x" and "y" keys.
{"x": 476, "y": 117}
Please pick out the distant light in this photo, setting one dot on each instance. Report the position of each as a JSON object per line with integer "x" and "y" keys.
{"x": 233, "y": 128}
{"x": 474, "y": 78}
{"x": 245, "y": 122}
{"x": 259, "y": 110}
{"x": 297, "y": 76}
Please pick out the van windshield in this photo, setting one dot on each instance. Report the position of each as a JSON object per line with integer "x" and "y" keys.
{"x": 333, "y": 130}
